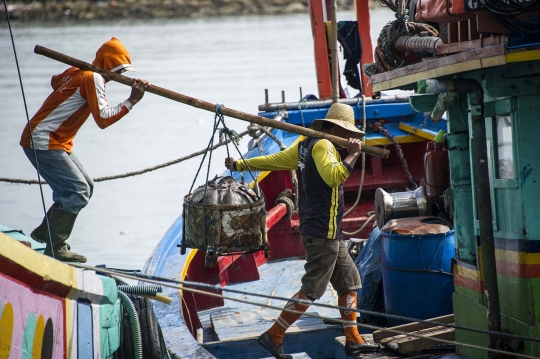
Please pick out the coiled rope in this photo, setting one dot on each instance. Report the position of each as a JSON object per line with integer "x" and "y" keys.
{"x": 386, "y": 56}
{"x": 136, "y": 173}
{"x": 190, "y": 287}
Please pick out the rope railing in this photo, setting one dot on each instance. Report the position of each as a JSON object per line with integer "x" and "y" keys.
{"x": 134, "y": 173}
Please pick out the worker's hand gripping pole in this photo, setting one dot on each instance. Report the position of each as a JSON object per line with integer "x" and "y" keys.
{"x": 375, "y": 151}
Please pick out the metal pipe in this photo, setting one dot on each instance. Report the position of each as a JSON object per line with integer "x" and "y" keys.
{"x": 475, "y": 94}
{"x": 443, "y": 102}
{"x": 267, "y": 107}
{"x": 275, "y": 215}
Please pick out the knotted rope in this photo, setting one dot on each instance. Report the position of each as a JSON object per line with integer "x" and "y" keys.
{"x": 234, "y": 136}
{"x": 386, "y": 56}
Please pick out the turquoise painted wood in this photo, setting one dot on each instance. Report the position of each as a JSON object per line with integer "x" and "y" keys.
{"x": 29, "y": 332}
{"x": 460, "y": 178}
{"x": 511, "y": 109}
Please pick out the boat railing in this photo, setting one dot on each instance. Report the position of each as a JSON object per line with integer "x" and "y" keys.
{"x": 310, "y": 104}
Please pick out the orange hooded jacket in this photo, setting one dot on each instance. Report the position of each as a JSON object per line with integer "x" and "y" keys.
{"x": 76, "y": 95}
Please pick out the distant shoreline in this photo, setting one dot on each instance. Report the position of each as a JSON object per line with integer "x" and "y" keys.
{"x": 85, "y": 10}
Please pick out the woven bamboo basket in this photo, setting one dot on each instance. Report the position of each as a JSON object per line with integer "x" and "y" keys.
{"x": 222, "y": 228}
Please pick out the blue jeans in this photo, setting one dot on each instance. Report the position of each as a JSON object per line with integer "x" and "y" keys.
{"x": 72, "y": 186}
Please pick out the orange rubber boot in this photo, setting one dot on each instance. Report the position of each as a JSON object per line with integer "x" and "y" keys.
{"x": 348, "y": 300}
{"x": 286, "y": 318}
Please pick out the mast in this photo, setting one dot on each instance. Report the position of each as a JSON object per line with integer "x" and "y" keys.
{"x": 364, "y": 27}
{"x": 322, "y": 63}
{"x": 334, "y": 51}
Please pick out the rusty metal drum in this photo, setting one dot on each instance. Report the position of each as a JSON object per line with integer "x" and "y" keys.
{"x": 225, "y": 217}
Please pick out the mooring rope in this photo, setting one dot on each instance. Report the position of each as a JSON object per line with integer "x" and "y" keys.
{"x": 386, "y": 56}
{"x": 136, "y": 173}
{"x": 187, "y": 286}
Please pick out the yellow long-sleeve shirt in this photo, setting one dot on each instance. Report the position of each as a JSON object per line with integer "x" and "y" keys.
{"x": 321, "y": 175}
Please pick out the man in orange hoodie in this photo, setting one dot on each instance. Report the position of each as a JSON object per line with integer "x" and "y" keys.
{"x": 49, "y": 140}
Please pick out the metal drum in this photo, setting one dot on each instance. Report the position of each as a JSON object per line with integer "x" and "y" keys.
{"x": 416, "y": 260}
{"x": 400, "y": 205}
{"x": 223, "y": 218}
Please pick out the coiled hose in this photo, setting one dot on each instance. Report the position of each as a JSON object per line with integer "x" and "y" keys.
{"x": 135, "y": 327}
{"x": 150, "y": 290}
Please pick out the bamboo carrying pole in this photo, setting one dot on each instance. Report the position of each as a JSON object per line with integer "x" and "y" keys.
{"x": 375, "y": 151}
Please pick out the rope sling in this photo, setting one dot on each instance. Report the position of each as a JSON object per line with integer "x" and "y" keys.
{"x": 223, "y": 216}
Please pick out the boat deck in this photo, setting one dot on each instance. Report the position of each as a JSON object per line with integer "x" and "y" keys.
{"x": 231, "y": 331}
{"x": 236, "y": 320}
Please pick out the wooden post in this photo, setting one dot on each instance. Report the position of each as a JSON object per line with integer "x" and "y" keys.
{"x": 175, "y": 96}
{"x": 334, "y": 52}
{"x": 322, "y": 65}
{"x": 364, "y": 27}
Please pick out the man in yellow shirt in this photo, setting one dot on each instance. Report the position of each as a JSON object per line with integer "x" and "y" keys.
{"x": 320, "y": 199}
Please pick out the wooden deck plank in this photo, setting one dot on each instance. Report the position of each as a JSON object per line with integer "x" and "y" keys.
{"x": 457, "y": 63}
{"x": 414, "y": 345}
{"x": 405, "y": 337}
{"x": 411, "y": 327}
{"x": 470, "y": 45}
{"x": 295, "y": 356}
{"x": 464, "y": 56}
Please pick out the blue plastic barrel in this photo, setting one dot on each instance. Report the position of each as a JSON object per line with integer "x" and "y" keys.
{"x": 417, "y": 279}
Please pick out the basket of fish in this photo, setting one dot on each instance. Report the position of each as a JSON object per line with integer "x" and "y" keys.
{"x": 224, "y": 217}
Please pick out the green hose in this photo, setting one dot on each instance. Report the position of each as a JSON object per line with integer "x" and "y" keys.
{"x": 135, "y": 327}
{"x": 151, "y": 290}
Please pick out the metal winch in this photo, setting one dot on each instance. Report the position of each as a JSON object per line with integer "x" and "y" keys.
{"x": 400, "y": 205}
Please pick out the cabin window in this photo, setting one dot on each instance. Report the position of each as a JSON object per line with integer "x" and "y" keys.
{"x": 504, "y": 150}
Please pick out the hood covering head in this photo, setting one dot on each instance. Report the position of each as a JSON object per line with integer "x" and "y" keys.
{"x": 113, "y": 56}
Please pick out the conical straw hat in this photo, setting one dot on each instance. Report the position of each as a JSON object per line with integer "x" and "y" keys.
{"x": 341, "y": 115}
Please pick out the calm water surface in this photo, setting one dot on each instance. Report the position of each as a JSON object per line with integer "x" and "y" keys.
{"x": 228, "y": 60}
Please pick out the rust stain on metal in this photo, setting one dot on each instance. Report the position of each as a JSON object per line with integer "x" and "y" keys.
{"x": 417, "y": 225}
